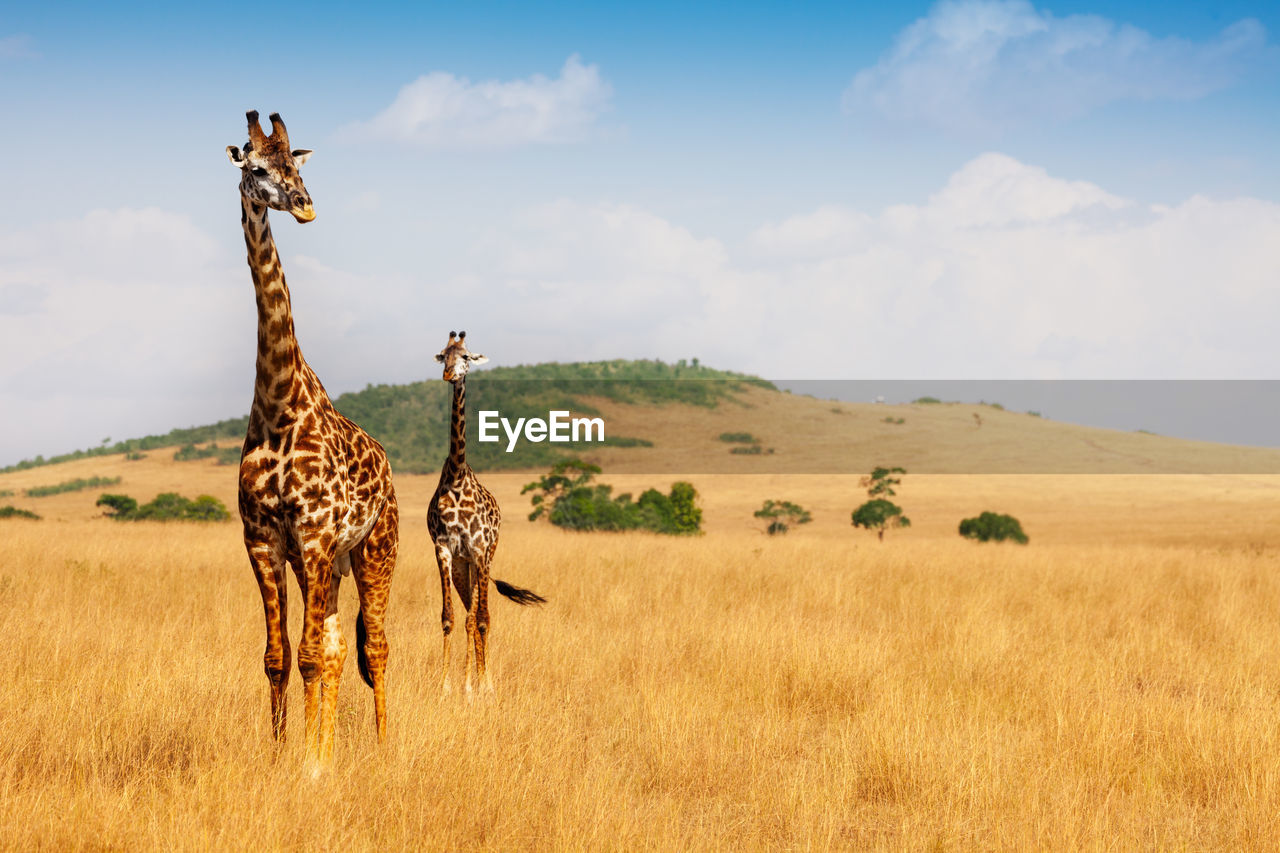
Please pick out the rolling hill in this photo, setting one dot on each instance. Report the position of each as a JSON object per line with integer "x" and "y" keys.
{"x": 681, "y": 418}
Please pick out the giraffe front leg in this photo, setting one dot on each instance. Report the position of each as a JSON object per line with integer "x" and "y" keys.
{"x": 464, "y": 578}
{"x": 311, "y": 651}
{"x": 268, "y": 566}
{"x": 444, "y": 558}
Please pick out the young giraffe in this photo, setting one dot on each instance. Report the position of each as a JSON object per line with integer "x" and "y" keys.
{"x": 463, "y": 518}
{"x": 315, "y": 489}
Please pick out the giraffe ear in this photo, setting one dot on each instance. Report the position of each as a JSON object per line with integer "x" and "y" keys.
{"x": 236, "y": 156}
{"x": 302, "y": 155}
{"x": 476, "y": 358}
{"x": 440, "y": 357}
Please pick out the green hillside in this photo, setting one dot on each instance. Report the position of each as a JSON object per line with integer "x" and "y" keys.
{"x": 412, "y": 421}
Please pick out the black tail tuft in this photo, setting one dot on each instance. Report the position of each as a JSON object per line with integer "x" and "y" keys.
{"x": 363, "y": 658}
{"x": 518, "y": 595}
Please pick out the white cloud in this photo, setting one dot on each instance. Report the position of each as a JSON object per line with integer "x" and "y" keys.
{"x": 1005, "y": 272}
{"x": 126, "y": 311}
{"x": 995, "y": 189}
{"x": 440, "y": 110}
{"x": 126, "y": 322}
{"x": 131, "y": 321}
{"x": 983, "y": 65}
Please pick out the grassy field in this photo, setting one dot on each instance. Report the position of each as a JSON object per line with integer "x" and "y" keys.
{"x": 1111, "y": 686}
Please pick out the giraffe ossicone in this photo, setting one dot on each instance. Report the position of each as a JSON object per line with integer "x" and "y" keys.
{"x": 315, "y": 489}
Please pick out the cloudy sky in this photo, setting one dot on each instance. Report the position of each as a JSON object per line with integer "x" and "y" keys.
{"x": 959, "y": 190}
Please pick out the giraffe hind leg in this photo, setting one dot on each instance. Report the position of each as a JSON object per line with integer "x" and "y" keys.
{"x": 483, "y": 681}
{"x": 372, "y": 563}
{"x": 335, "y": 658}
{"x": 464, "y": 580}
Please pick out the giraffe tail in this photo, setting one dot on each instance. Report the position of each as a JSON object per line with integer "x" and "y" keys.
{"x": 363, "y": 658}
{"x": 518, "y": 595}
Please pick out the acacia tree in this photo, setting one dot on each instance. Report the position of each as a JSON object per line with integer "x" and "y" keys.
{"x": 566, "y": 476}
{"x": 781, "y": 515}
{"x": 880, "y": 513}
{"x": 880, "y": 482}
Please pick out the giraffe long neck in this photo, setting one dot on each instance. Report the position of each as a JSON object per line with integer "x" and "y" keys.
{"x": 279, "y": 358}
{"x": 458, "y": 428}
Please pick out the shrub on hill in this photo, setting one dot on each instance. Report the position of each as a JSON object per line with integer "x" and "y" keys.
{"x": 14, "y": 512}
{"x": 169, "y": 506}
{"x": 993, "y": 527}
{"x": 567, "y": 496}
{"x": 739, "y": 438}
{"x": 224, "y": 455}
{"x": 71, "y": 486}
{"x": 233, "y": 428}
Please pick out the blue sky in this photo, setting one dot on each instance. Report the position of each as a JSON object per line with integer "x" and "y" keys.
{"x": 952, "y": 190}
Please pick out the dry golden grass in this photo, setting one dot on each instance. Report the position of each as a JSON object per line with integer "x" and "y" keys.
{"x": 1111, "y": 686}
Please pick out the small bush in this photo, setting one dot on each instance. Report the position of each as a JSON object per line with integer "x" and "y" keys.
{"x": 993, "y": 527}
{"x": 747, "y": 450}
{"x": 71, "y": 486}
{"x": 14, "y": 512}
{"x": 895, "y": 420}
{"x": 135, "y": 455}
{"x": 223, "y": 455}
{"x": 627, "y": 441}
{"x": 926, "y": 400}
{"x": 6, "y": 493}
{"x": 739, "y": 438}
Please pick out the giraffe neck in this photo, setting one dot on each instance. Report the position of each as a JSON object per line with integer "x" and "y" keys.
{"x": 279, "y": 358}
{"x": 458, "y": 428}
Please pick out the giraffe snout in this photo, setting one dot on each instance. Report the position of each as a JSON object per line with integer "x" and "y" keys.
{"x": 301, "y": 209}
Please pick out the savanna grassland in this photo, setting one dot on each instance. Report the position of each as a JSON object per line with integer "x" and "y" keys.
{"x": 1113, "y": 685}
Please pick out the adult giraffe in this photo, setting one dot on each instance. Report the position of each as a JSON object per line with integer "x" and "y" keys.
{"x": 315, "y": 489}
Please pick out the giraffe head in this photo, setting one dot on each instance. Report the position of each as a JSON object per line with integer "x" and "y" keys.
{"x": 456, "y": 359}
{"x": 270, "y": 169}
